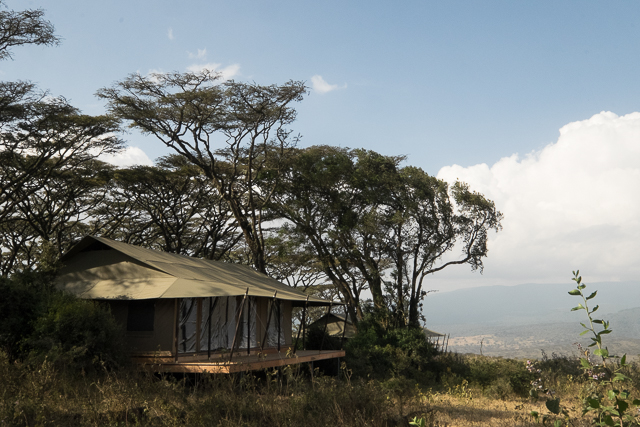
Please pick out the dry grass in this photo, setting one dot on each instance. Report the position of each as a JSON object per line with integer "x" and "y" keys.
{"x": 43, "y": 395}
{"x": 447, "y": 410}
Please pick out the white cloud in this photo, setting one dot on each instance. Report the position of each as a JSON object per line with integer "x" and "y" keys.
{"x": 573, "y": 205}
{"x": 130, "y": 156}
{"x": 200, "y": 54}
{"x": 321, "y": 86}
{"x": 170, "y": 33}
{"x": 227, "y": 72}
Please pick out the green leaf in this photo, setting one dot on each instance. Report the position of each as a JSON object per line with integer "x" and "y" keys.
{"x": 553, "y": 405}
{"x": 622, "y": 406}
{"x": 604, "y": 332}
{"x": 623, "y": 361}
{"x": 602, "y": 352}
{"x": 574, "y": 292}
{"x": 611, "y": 395}
{"x": 598, "y": 321}
{"x": 636, "y": 402}
{"x": 585, "y": 332}
{"x": 579, "y": 307}
{"x": 595, "y": 309}
{"x": 593, "y": 403}
{"x": 585, "y": 363}
{"x": 619, "y": 377}
{"x": 557, "y": 423}
{"x": 592, "y": 295}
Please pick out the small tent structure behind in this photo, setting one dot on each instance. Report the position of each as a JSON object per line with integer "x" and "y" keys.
{"x": 440, "y": 341}
{"x": 335, "y": 325}
{"x": 177, "y": 306}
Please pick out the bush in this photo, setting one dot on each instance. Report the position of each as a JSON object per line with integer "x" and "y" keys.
{"x": 25, "y": 297}
{"x": 500, "y": 376}
{"x": 78, "y": 333}
{"x": 380, "y": 353}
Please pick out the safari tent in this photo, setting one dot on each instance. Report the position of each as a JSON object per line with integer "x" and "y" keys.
{"x": 434, "y": 338}
{"x": 184, "y": 314}
{"x": 336, "y": 325}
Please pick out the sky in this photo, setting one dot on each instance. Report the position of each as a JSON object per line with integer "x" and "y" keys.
{"x": 534, "y": 104}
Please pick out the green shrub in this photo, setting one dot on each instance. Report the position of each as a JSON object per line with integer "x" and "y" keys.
{"x": 25, "y": 297}
{"x": 318, "y": 339}
{"x": 380, "y": 353}
{"x": 77, "y": 333}
{"x": 500, "y": 376}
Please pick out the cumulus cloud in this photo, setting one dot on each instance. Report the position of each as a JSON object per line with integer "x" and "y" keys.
{"x": 170, "y": 33}
{"x": 227, "y": 72}
{"x": 573, "y": 205}
{"x": 319, "y": 85}
{"x": 200, "y": 54}
{"x": 130, "y": 156}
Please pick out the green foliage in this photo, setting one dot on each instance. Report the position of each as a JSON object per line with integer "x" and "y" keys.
{"x": 24, "y": 298}
{"x": 377, "y": 352}
{"x": 611, "y": 404}
{"x": 78, "y": 333}
{"x": 499, "y": 377}
{"x": 38, "y": 322}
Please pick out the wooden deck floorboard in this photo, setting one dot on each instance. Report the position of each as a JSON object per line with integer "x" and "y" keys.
{"x": 239, "y": 363}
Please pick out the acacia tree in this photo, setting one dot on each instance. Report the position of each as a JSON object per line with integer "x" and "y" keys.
{"x": 236, "y": 133}
{"x": 170, "y": 207}
{"x": 374, "y": 225}
{"x": 42, "y": 139}
{"x": 51, "y": 213}
{"x": 325, "y": 197}
{"x": 18, "y": 28}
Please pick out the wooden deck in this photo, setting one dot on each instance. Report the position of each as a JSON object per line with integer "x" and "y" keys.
{"x": 220, "y": 364}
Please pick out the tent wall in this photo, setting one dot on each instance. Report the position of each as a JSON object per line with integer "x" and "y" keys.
{"x": 158, "y": 339}
{"x": 209, "y": 324}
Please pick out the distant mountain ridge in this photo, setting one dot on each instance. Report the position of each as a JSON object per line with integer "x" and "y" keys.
{"x": 522, "y": 320}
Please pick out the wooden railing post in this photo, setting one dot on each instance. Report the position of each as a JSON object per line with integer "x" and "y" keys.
{"x": 212, "y": 305}
{"x": 266, "y": 331}
{"x": 302, "y": 326}
{"x": 248, "y": 326}
{"x": 176, "y": 331}
{"x": 326, "y": 322}
{"x": 344, "y": 328}
{"x": 235, "y": 335}
{"x": 279, "y": 306}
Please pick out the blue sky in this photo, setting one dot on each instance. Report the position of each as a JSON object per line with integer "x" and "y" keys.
{"x": 461, "y": 83}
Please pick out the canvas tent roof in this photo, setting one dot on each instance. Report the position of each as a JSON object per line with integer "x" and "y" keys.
{"x": 335, "y": 325}
{"x": 99, "y": 268}
{"x": 432, "y": 334}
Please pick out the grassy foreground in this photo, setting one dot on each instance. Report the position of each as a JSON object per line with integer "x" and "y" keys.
{"x": 491, "y": 392}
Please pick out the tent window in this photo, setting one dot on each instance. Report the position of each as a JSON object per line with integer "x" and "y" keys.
{"x": 140, "y": 315}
